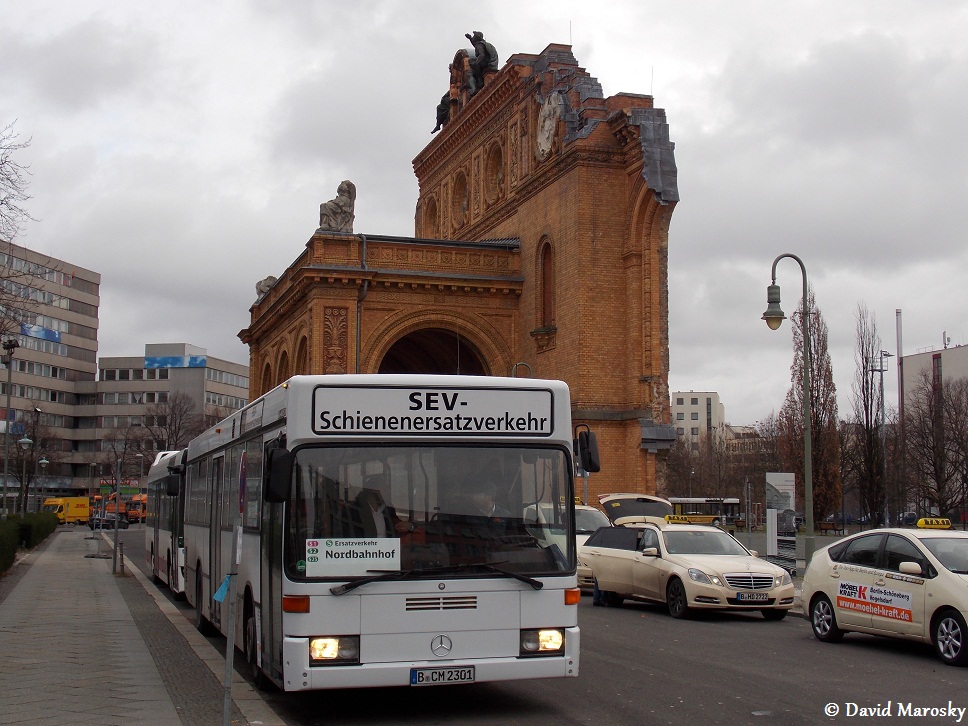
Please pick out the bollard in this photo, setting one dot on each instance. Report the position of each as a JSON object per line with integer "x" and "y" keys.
{"x": 121, "y": 556}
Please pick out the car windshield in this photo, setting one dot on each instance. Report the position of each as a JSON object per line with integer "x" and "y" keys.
{"x": 364, "y": 510}
{"x": 701, "y": 542}
{"x": 952, "y": 552}
{"x": 588, "y": 520}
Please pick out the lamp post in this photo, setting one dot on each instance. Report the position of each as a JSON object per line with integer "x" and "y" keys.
{"x": 43, "y": 468}
{"x": 9, "y": 346}
{"x": 25, "y": 443}
{"x": 774, "y": 317}
{"x": 882, "y": 366}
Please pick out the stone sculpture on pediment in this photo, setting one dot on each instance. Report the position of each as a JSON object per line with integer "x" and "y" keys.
{"x": 484, "y": 59}
{"x": 263, "y": 286}
{"x": 548, "y": 117}
{"x": 337, "y": 214}
{"x": 468, "y": 71}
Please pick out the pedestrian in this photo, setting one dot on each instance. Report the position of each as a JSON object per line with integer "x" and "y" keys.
{"x": 598, "y": 597}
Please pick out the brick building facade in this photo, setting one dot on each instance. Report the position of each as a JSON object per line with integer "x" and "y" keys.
{"x": 541, "y": 237}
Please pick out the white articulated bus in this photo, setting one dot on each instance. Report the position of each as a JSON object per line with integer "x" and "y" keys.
{"x": 164, "y": 520}
{"x": 389, "y": 530}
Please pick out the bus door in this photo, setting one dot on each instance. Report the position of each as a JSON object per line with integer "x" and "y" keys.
{"x": 215, "y": 566}
{"x": 270, "y": 582}
{"x": 153, "y": 505}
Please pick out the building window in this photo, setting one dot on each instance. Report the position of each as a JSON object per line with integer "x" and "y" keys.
{"x": 459, "y": 206}
{"x": 680, "y": 431}
{"x": 694, "y": 415}
{"x": 680, "y": 416}
{"x": 694, "y": 401}
{"x": 110, "y": 375}
{"x": 547, "y": 292}
{"x": 680, "y": 401}
{"x": 695, "y": 431}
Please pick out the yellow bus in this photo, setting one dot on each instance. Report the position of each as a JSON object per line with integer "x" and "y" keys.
{"x": 717, "y": 511}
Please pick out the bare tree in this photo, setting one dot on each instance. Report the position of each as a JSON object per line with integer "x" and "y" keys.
{"x": 123, "y": 451}
{"x": 13, "y": 184}
{"x": 867, "y": 455}
{"x": 825, "y": 444}
{"x": 175, "y": 422}
{"x": 936, "y": 423}
{"x": 29, "y": 462}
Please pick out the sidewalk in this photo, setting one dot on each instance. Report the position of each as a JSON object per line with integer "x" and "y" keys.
{"x": 81, "y": 645}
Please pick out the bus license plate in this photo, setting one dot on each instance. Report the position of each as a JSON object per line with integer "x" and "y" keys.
{"x": 441, "y": 676}
{"x": 752, "y": 596}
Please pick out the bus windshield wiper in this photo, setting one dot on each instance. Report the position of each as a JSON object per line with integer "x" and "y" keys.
{"x": 390, "y": 575}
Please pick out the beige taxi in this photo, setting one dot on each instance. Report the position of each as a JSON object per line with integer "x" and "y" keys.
{"x": 902, "y": 583}
{"x": 687, "y": 567}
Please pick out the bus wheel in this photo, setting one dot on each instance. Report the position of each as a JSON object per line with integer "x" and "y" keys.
{"x": 252, "y": 651}
{"x": 201, "y": 622}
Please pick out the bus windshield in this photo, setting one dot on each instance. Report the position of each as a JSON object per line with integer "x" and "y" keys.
{"x": 425, "y": 507}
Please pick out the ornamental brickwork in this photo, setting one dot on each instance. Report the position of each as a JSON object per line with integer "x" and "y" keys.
{"x": 541, "y": 245}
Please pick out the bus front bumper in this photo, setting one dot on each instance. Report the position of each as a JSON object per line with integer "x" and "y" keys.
{"x": 299, "y": 675}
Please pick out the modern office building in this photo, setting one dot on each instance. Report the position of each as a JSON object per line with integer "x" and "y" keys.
{"x": 63, "y": 410}
{"x": 49, "y": 320}
{"x": 697, "y": 414}
{"x": 150, "y": 403}
{"x": 938, "y": 365}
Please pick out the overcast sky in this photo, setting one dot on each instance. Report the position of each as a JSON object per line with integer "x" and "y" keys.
{"x": 182, "y": 149}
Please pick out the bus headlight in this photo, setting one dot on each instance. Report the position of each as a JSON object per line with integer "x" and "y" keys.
{"x": 334, "y": 650}
{"x": 550, "y": 641}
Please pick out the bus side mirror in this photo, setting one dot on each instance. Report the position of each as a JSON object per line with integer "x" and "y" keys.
{"x": 278, "y": 466}
{"x": 171, "y": 485}
{"x": 588, "y": 451}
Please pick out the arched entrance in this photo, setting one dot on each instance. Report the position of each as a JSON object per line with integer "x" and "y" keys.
{"x": 433, "y": 351}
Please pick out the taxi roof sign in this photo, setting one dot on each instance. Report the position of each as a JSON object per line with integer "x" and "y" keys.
{"x": 677, "y": 519}
{"x": 934, "y": 523}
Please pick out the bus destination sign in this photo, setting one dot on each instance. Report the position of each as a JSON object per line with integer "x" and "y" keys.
{"x": 432, "y": 411}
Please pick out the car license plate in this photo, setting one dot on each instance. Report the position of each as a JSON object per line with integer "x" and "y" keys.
{"x": 752, "y": 596}
{"x": 441, "y": 676}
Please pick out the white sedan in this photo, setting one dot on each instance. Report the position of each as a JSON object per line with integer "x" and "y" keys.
{"x": 686, "y": 566}
{"x": 587, "y": 520}
{"x": 903, "y": 583}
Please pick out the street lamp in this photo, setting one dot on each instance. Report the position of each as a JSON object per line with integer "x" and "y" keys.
{"x": 9, "y": 346}
{"x": 774, "y": 317}
{"x": 43, "y": 468}
{"x": 25, "y": 443}
{"x": 882, "y": 366}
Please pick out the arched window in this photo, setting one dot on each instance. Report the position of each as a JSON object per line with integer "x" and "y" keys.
{"x": 266, "y": 379}
{"x": 546, "y": 282}
{"x": 302, "y": 358}
{"x": 283, "y": 368}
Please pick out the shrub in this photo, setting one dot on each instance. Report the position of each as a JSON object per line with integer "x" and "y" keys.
{"x": 38, "y": 527}
{"x": 9, "y": 531}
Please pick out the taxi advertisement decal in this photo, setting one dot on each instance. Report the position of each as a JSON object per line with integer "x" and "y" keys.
{"x": 874, "y": 600}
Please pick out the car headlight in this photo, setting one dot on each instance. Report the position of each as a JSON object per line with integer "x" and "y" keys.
{"x": 700, "y": 576}
{"x": 783, "y": 579}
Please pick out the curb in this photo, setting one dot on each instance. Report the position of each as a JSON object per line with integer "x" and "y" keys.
{"x": 246, "y": 698}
